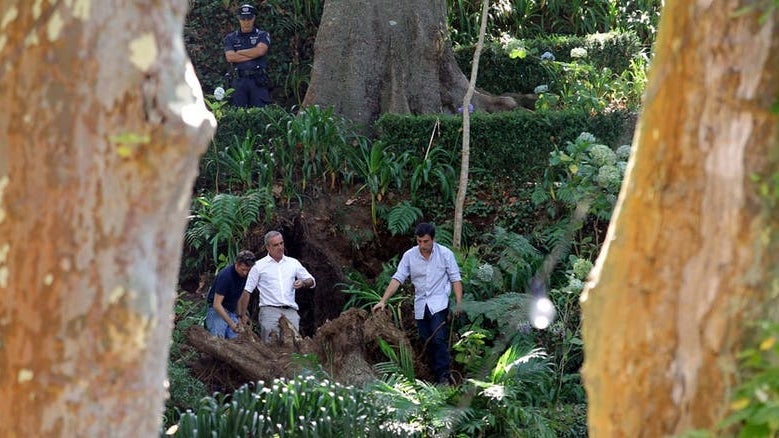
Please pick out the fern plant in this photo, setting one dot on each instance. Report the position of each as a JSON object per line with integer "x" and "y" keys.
{"x": 401, "y": 217}
{"x": 222, "y": 220}
{"x": 516, "y": 257}
{"x": 511, "y": 401}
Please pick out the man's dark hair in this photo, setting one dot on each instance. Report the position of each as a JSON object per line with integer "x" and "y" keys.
{"x": 245, "y": 257}
{"x": 425, "y": 229}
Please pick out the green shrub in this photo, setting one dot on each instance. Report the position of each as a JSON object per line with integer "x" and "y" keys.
{"x": 514, "y": 145}
{"x": 500, "y": 73}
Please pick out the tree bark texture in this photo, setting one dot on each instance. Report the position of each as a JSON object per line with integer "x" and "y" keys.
{"x": 377, "y": 56}
{"x": 102, "y": 125}
{"x": 691, "y": 254}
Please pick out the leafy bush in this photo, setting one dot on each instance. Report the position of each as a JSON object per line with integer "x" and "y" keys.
{"x": 512, "y": 145}
{"x": 585, "y": 172}
{"x": 184, "y": 389}
{"x": 500, "y": 72}
{"x": 301, "y": 407}
{"x": 220, "y": 222}
{"x": 755, "y": 408}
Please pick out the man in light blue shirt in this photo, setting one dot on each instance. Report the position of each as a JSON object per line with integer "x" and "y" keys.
{"x": 434, "y": 273}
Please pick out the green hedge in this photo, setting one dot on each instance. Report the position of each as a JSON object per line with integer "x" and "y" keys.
{"x": 498, "y": 73}
{"x": 510, "y": 144}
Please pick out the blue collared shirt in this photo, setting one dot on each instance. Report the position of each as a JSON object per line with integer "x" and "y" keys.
{"x": 432, "y": 278}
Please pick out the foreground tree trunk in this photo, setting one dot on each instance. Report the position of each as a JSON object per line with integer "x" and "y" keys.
{"x": 100, "y": 135}
{"x": 377, "y": 56}
{"x": 692, "y": 250}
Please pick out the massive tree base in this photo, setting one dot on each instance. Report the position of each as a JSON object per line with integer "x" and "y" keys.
{"x": 345, "y": 347}
{"x": 380, "y": 56}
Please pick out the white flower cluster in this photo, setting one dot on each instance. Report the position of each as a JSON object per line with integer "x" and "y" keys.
{"x": 602, "y": 155}
{"x": 623, "y": 152}
{"x": 585, "y": 137}
{"x": 578, "y": 52}
{"x": 581, "y": 268}
{"x": 547, "y": 56}
{"x": 609, "y": 177}
{"x": 485, "y": 272}
{"x": 219, "y": 93}
{"x": 541, "y": 89}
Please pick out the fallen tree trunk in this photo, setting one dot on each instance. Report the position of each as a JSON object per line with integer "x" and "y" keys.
{"x": 346, "y": 347}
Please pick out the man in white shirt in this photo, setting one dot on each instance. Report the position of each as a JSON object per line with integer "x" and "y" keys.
{"x": 277, "y": 277}
{"x": 434, "y": 273}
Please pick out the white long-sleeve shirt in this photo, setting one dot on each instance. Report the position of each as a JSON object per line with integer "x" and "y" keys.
{"x": 274, "y": 280}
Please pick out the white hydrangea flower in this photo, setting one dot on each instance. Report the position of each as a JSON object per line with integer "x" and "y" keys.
{"x": 485, "y": 272}
{"x": 541, "y": 89}
{"x": 547, "y": 56}
{"x": 609, "y": 177}
{"x": 581, "y": 268}
{"x": 623, "y": 152}
{"x": 602, "y": 155}
{"x": 586, "y": 137}
{"x": 575, "y": 285}
{"x": 578, "y": 52}
{"x": 219, "y": 93}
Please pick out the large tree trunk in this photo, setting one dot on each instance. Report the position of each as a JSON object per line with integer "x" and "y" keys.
{"x": 692, "y": 251}
{"x": 377, "y": 56}
{"x": 100, "y": 132}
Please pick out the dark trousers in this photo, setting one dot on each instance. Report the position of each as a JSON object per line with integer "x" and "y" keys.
{"x": 433, "y": 332}
{"x": 248, "y": 94}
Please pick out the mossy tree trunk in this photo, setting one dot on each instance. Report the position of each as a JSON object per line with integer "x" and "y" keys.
{"x": 102, "y": 125}
{"x": 692, "y": 252}
{"x": 377, "y": 56}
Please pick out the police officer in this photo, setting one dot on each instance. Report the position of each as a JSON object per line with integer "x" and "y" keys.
{"x": 245, "y": 49}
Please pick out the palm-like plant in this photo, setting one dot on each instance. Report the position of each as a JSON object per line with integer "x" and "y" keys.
{"x": 378, "y": 167}
{"x": 434, "y": 171}
{"x": 365, "y": 295}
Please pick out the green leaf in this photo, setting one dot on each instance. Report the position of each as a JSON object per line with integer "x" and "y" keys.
{"x": 520, "y": 53}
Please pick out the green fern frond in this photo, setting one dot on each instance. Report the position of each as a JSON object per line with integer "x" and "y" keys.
{"x": 401, "y": 217}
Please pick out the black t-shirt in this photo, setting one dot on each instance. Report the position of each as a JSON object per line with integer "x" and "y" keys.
{"x": 228, "y": 284}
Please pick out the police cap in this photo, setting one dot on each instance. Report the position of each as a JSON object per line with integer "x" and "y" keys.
{"x": 246, "y": 11}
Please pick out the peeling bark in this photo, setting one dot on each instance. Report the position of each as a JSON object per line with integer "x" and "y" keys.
{"x": 689, "y": 259}
{"x": 100, "y": 136}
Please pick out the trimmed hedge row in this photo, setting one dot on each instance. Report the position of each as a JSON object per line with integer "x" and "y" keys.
{"x": 513, "y": 145}
{"x": 498, "y": 73}
{"x": 509, "y": 144}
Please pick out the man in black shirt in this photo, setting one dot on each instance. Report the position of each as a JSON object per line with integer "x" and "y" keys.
{"x": 221, "y": 318}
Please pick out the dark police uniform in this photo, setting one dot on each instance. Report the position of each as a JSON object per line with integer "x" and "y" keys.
{"x": 250, "y": 80}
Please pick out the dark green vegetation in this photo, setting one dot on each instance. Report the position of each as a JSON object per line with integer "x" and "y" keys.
{"x": 530, "y": 171}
